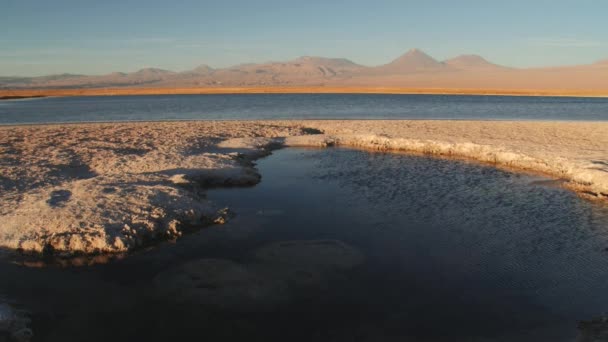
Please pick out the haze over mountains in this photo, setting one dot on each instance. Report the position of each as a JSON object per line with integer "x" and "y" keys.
{"x": 414, "y": 69}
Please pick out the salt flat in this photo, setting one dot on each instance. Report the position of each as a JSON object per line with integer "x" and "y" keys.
{"x": 114, "y": 187}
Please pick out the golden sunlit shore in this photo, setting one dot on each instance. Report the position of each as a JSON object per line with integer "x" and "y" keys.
{"x": 115, "y": 187}
{"x": 25, "y": 93}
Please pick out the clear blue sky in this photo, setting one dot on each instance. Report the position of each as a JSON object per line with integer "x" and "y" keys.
{"x": 95, "y": 37}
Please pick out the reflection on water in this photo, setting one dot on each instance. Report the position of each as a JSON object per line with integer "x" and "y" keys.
{"x": 343, "y": 245}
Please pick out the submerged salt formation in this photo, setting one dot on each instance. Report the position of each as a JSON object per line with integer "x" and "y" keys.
{"x": 281, "y": 271}
{"x": 111, "y": 188}
{"x": 223, "y": 285}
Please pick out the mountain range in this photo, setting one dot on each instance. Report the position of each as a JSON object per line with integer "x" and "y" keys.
{"x": 413, "y": 69}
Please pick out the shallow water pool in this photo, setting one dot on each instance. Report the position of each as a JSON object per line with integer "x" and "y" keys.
{"x": 345, "y": 245}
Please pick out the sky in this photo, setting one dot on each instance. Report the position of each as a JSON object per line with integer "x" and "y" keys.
{"x": 95, "y": 37}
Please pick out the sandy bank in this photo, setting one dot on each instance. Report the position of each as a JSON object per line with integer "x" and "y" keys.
{"x": 110, "y": 188}
{"x": 16, "y": 97}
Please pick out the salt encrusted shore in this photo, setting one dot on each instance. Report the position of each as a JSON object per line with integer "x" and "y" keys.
{"x": 113, "y": 187}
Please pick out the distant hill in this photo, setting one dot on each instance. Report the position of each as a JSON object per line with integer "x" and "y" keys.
{"x": 202, "y": 69}
{"x": 471, "y": 62}
{"x": 414, "y": 69}
{"x": 413, "y": 61}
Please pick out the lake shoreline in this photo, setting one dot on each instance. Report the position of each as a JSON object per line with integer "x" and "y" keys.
{"x": 86, "y": 189}
{"x": 131, "y": 91}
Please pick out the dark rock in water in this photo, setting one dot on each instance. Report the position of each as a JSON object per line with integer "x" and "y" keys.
{"x": 593, "y": 331}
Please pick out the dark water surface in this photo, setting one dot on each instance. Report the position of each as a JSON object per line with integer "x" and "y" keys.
{"x": 300, "y": 106}
{"x": 381, "y": 247}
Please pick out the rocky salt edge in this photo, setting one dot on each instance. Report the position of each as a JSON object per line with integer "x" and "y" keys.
{"x": 589, "y": 181}
{"x": 111, "y": 188}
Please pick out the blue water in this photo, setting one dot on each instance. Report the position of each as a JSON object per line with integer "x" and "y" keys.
{"x": 300, "y": 106}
